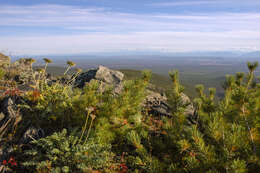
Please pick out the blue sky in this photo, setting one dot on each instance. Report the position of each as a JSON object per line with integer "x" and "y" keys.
{"x": 92, "y": 26}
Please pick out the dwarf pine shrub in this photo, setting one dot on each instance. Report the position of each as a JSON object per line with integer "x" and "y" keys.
{"x": 225, "y": 135}
{"x": 92, "y": 130}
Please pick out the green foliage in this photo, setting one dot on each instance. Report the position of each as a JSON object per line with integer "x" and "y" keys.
{"x": 2, "y": 73}
{"x": 112, "y": 132}
{"x": 225, "y": 135}
{"x": 61, "y": 152}
{"x": 51, "y": 105}
{"x": 176, "y": 97}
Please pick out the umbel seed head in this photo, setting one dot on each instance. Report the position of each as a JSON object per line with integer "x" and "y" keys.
{"x": 78, "y": 70}
{"x": 46, "y": 60}
{"x": 240, "y": 75}
{"x": 200, "y": 88}
{"x": 71, "y": 64}
{"x": 92, "y": 116}
{"x": 40, "y": 70}
{"x": 31, "y": 60}
{"x": 252, "y": 66}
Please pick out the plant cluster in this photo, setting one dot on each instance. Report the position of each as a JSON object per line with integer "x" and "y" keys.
{"x": 61, "y": 152}
{"x": 88, "y": 130}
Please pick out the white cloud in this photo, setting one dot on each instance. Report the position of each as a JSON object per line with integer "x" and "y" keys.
{"x": 99, "y": 19}
{"x": 183, "y": 3}
{"x": 114, "y": 31}
{"x": 150, "y": 41}
{"x": 207, "y": 2}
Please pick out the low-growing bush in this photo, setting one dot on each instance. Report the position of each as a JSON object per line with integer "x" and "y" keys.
{"x": 2, "y": 73}
{"x": 111, "y": 132}
{"x": 63, "y": 152}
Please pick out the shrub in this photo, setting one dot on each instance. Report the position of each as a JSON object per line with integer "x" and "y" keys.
{"x": 224, "y": 136}
{"x": 61, "y": 152}
{"x": 112, "y": 132}
{"x": 2, "y": 73}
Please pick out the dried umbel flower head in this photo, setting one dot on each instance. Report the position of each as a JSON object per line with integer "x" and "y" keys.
{"x": 92, "y": 116}
{"x": 252, "y": 66}
{"x": 47, "y": 61}
{"x": 71, "y": 64}
{"x": 78, "y": 70}
{"x": 90, "y": 109}
{"x": 31, "y": 60}
{"x": 40, "y": 70}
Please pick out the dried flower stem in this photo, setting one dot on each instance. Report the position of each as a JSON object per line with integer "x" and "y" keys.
{"x": 85, "y": 126}
{"x": 92, "y": 119}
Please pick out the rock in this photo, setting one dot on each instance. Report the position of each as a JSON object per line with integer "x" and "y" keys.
{"x": 156, "y": 104}
{"x": 104, "y": 75}
{"x": 11, "y": 116}
{"x": 9, "y": 119}
{"x": 9, "y": 108}
{"x": 109, "y": 76}
{"x": 4, "y": 60}
{"x": 31, "y": 134}
{"x": 186, "y": 101}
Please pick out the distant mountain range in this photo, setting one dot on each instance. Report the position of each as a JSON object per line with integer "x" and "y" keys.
{"x": 253, "y": 54}
{"x": 234, "y": 54}
{"x": 224, "y": 54}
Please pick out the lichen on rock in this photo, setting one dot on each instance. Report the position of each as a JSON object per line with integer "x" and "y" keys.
{"x": 104, "y": 75}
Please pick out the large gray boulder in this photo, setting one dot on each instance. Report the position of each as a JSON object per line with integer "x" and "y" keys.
{"x": 104, "y": 75}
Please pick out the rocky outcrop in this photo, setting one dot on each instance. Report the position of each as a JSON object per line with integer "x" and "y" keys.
{"x": 156, "y": 104}
{"x": 104, "y": 75}
{"x": 4, "y": 60}
{"x": 10, "y": 115}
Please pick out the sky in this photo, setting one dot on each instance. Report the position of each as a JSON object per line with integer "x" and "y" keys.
{"x": 58, "y": 27}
